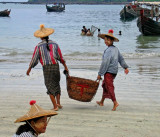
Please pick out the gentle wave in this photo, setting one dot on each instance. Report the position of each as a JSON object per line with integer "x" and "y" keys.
{"x": 16, "y": 57}
{"x": 15, "y": 53}
{"x": 3, "y": 60}
{"x": 140, "y": 55}
{"x": 82, "y": 54}
{"x": 99, "y": 55}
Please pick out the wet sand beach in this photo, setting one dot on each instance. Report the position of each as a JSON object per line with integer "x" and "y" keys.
{"x": 138, "y": 114}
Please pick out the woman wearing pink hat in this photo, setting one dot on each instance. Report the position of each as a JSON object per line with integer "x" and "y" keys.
{"x": 109, "y": 68}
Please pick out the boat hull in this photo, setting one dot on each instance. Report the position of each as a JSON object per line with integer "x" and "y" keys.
{"x": 148, "y": 26}
{"x": 55, "y": 9}
{"x": 5, "y": 13}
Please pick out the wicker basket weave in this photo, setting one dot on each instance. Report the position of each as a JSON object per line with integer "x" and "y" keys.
{"x": 81, "y": 89}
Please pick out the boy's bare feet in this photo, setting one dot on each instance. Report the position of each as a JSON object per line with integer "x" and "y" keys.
{"x": 59, "y": 106}
{"x": 115, "y": 106}
{"x": 99, "y": 103}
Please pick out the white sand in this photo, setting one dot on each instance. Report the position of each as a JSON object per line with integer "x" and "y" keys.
{"x": 137, "y": 93}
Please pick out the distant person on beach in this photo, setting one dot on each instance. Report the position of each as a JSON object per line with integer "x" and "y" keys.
{"x": 36, "y": 121}
{"x": 85, "y": 29}
{"x": 109, "y": 68}
{"x": 49, "y": 53}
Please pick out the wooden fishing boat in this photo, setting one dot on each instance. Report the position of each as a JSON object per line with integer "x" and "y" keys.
{"x": 132, "y": 11}
{"x": 56, "y": 8}
{"x": 5, "y": 13}
{"x": 147, "y": 25}
{"x": 127, "y": 13}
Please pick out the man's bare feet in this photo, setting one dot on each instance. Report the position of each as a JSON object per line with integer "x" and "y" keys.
{"x": 99, "y": 103}
{"x": 59, "y": 106}
{"x": 115, "y": 106}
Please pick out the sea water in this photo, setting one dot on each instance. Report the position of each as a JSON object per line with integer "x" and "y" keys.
{"x": 17, "y": 41}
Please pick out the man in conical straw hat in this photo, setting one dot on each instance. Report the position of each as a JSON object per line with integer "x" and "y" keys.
{"x": 109, "y": 68}
{"x": 36, "y": 121}
{"x": 49, "y": 54}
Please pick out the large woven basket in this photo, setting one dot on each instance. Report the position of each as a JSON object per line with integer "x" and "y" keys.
{"x": 81, "y": 89}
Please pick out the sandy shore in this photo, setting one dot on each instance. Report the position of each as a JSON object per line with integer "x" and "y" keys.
{"x": 137, "y": 93}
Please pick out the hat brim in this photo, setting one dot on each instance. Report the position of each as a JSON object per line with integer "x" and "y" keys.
{"x": 46, "y": 32}
{"x": 103, "y": 36}
{"x": 47, "y": 113}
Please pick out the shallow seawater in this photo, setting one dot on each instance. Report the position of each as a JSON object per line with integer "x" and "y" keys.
{"x": 17, "y": 41}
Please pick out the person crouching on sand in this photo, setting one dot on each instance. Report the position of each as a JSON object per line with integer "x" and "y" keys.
{"x": 109, "y": 68}
{"x": 36, "y": 121}
{"x": 49, "y": 53}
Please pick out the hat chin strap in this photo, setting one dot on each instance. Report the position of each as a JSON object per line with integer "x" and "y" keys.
{"x": 33, "y": 128}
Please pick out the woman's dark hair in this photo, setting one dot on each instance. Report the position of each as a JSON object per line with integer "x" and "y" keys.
{"x": 47, "y": 38}
{"x": 26, "y": 127}
{"x": 111, "y": 38}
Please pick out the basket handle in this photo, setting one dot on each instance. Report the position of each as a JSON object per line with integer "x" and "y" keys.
{"x": 98, "y": 80}
{"x": 66, "y": 73}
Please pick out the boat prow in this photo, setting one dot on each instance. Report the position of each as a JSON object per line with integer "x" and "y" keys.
{"x": 5, "y": 13}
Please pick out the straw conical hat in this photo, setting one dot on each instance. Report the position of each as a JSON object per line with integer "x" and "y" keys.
{"x": 43, "y": 32}
{"x": 110, "y": 34}
{"x": 35, "y": 112}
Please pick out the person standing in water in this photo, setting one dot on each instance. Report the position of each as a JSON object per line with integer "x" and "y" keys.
{"x": 49, "y": 53}
{"x": 99, "y": 32}
{"x": 85, "y": 29}
{"x": 120, "y": 32}
{"x": 109, "y": 68}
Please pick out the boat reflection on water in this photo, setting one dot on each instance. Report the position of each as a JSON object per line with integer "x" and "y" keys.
{"x": 127, "y": 20}
{"x": 148, "y": 48}
{"x": 146, "y": 43}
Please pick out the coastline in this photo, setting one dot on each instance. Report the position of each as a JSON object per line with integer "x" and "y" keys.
{"x": 137, "y": 93}
{"x": 71, "y": 3}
